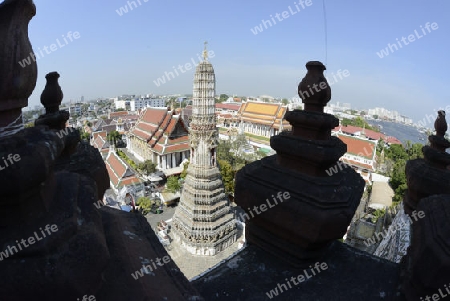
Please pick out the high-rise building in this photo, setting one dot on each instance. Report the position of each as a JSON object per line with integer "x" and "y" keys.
{"x": 203, "y": 222}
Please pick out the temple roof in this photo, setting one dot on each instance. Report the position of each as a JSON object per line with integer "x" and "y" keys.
{"x": 270, "y": 114}
{"x": 100, "y": 142}
{"x": 119, "y": 172}
{"x": 163, "y": 131}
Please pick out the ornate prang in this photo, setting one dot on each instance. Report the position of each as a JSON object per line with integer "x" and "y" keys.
{"x": 202, "y": 222}
{"x": 320, "y": 206}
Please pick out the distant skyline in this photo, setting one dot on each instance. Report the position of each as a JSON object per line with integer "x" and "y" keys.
{"x": 127, "y": 53}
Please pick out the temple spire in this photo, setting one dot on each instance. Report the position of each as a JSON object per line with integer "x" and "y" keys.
{"x": 203, "y": 222}
{"x": 205, "y": 52}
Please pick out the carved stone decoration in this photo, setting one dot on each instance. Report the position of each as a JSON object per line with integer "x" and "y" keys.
{"x": 16, "y": 82}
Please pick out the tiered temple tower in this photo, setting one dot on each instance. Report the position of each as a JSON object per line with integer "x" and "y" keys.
{"x": 203, "y": 223}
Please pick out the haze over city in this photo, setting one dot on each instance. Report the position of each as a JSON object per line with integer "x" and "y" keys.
{"x": 124, "y": 52}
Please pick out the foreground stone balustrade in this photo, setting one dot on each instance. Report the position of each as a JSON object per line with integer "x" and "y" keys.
{"x": 426, "y": 267}
{"x": 320, "y": 207}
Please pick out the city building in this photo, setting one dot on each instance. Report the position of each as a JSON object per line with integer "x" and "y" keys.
{"x": 369, "y": 134}
{"x": 263, "y": 119}
{"x": 160, "y": 136}
{"x": 203, "y": 223}
{"x": 360, "y": 155}
{"x": 142, "y": 103}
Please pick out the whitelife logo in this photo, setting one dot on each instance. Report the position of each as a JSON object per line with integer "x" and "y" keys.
{"x": 124, "y": 9}
{"x": 11, "y": 159}
{"x": 411, "y": 38}
{"x": 11, "y": 250}
{"x": 281, "y": 196}
{"x": 144, "y": 270}
{"x": 170, "y": 75}
{"x": 53, "y": 47}
{"x": 376, "y": 238}
{"x": 280, "y": 17}
{"x": 299, "y": 279}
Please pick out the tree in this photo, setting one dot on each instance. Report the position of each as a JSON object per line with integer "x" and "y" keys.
{"x": 223, "y": 97}
{"x": 114, "y": 136}
{"x": 147, "y": 167}
{"x": 145, "y": 204}
{"x": 359, "y": 122}
{"x": 284, "y": 101}
{"x": 85, "y": 136}
{"x": 375, "y": 116}
{"x": 173, "y": 185}
{"x": 227, "y": 172}
{"x": 120, "y": 110}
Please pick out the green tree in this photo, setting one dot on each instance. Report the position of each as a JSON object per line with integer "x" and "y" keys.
{"x": 114, "y": 136}
{"x": 223, "y": 97}
{"x": 223, "y": 151}
{"x": 145, "y": 204}
{"x": 147, "y": 167}
{"x": 359, "y": 122}
{"x": 285, "y": 101}
{"x": 227, "y": 172}
{"x": 173, "y": 185}
{"x": 120, "y": 110}
{"x": 85, "y": 136}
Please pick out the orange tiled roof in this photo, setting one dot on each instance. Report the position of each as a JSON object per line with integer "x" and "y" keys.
{"x": 359, "y": 147}
{"x": 117, "y": 114}
{"x": 100, "y": 143}
{"x": 228, "y": 106}
{"x": 119, "y": 172}
{"x": 101, "y": 133}
{"x": 350, "y": 129}
{"x": 161, "y": 129}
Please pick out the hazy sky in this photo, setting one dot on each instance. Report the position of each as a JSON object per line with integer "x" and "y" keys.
{"x": 126, "y": 54}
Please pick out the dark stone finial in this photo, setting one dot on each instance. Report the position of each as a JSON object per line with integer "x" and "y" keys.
{"x": 52, "y": 95}
{"x": 314, "y": 89}
{"x": 440, "y": 125}
{"x": 51, "y": 98}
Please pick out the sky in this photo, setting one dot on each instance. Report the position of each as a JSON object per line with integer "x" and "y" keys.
{"x": 112, "y": 52}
